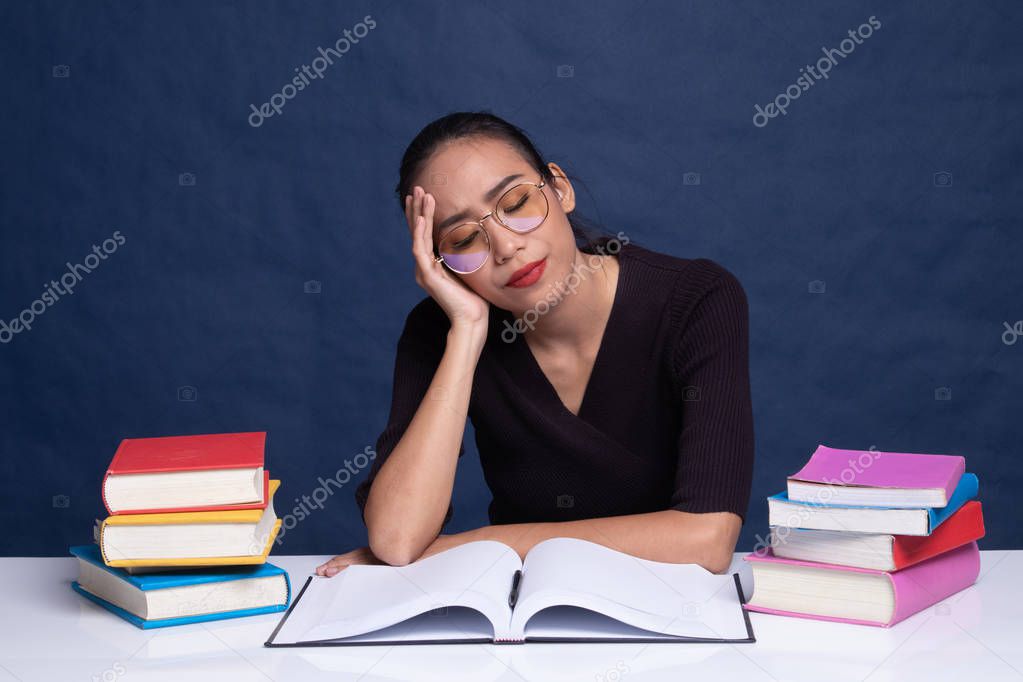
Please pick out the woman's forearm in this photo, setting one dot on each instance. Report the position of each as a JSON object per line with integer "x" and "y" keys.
{"x": 670, "y": 536}
{"x": 411, "y": 492}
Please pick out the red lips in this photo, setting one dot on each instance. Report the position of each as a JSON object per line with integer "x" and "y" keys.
{"x": 527, "y": 274}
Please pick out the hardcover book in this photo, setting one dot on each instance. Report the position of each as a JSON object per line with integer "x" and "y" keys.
{"x": 186, "y": 473}
{"x": 566, "y": 590}
{"x": 166, "y": 599}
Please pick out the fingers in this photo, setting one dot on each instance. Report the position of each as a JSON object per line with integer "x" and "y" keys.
{"x": 408, "y": 213}
{"x": 333, "y": 566}
{"x": 412, "y": 208}
{"x": 422, "y": 238}
{"x": 426, "y": 221}
{"x": 419, "y": 202}
{"x": 428, "y": 207}
{"x": 415, "y": 202}
{"x": 419, "y": 250}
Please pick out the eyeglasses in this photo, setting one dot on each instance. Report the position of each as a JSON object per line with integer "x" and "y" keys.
{"x": 466, "y": 247}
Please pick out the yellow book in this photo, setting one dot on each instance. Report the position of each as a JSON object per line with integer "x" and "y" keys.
{"x": 190, "y": 539}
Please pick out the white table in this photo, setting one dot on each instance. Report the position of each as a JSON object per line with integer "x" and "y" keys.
{"x": 48, "y": 632}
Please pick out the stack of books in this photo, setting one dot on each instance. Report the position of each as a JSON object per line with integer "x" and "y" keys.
{"x": 191, "y": 523}
{"x": 869, "y": 537}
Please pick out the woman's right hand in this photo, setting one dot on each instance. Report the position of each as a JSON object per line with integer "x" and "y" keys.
{"x": 462, "y": 305}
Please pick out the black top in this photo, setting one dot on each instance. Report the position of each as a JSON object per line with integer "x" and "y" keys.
{"x": 665, "y": 422}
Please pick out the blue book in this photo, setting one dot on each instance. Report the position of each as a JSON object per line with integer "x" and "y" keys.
{"x": 239, "y": 591}
{"x": 783, "y": 512}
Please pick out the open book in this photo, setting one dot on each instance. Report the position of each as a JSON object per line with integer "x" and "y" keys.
{"x": 566, "y": 590}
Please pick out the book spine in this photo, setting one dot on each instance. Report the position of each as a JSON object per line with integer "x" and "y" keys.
{"x": 103, "y": 493}
{"x": 101, "y": 543}
{"x": 965, "y": 525}
{"x": 928, "y": 582}
{"x": 953, "y": 481}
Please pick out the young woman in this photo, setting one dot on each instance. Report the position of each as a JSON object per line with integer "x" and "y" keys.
{"x": 608, "y": 384}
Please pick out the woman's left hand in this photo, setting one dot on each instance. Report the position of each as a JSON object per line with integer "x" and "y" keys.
{"x": 362, "y": 555}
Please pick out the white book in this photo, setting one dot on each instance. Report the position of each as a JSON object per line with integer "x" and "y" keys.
{"x": 568, "y": 590}
{"x": 841, "y": 547}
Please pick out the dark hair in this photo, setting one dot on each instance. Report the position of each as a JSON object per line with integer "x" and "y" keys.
{"x": 466, "y": 124}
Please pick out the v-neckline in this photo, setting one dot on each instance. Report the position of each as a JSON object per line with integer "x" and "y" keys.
{"x": 598, "y": 360}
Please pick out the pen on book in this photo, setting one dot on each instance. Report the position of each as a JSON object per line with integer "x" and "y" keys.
{"x": 513, "y": 596}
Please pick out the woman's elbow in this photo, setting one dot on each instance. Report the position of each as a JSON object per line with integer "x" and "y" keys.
{"x": 719, "y": 542}
{"x": 389, "y": 544}
{"x": 392, "y": 551}
{"x": 718, "y": 562}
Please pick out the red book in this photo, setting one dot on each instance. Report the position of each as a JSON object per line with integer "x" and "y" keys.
{"x": 965, "y": 526}
{"x": 187, "y": 473}
{"x": 879, "y": 551}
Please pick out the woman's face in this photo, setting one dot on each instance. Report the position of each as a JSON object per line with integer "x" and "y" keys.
{"x": 466, "y": 178}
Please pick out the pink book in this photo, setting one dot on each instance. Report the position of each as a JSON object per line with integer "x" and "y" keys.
{"x": 873, "y": 468}
{"x": 915, "y": 587}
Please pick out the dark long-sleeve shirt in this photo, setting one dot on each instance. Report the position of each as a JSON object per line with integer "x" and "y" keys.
{"x": 665, "y": 422}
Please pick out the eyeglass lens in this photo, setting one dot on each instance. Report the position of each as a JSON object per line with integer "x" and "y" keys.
{"x": 466, "y": 247}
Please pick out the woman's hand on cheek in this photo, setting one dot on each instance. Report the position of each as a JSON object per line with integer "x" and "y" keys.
{"x": 461, "y": 304}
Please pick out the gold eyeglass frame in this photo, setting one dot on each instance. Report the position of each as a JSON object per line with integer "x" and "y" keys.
{"x": 547, "y": 203}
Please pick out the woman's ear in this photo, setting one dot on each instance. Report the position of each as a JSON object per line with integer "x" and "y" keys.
{"x": 562, "y": 188}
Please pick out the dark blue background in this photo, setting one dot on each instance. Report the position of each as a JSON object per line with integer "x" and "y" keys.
{"x": 208, "y": 289}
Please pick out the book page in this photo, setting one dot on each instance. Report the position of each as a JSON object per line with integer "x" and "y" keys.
{"x": 682, "y": 600}
{"x": 568, "y": 622}
{"x": 447, "y": 622}
{"x": 363, "y": 599}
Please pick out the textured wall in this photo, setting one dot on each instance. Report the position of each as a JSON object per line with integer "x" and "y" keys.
{"x": 895, "y": 182}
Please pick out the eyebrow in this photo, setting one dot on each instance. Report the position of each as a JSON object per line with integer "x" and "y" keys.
{"x": 488, "y": 197}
